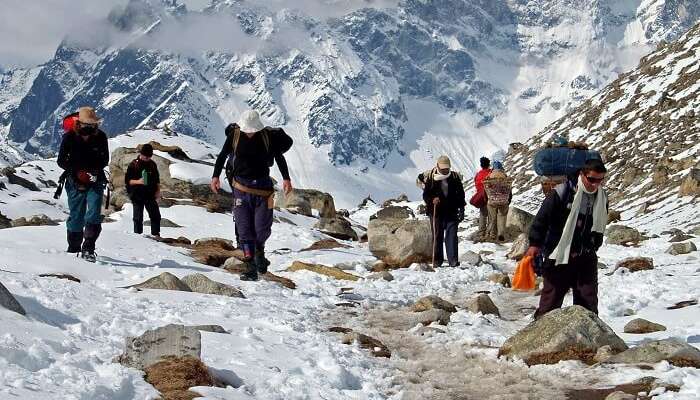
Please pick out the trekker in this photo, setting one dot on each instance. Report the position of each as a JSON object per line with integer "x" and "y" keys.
{"x": 479, "y": 184}
{"x": 83, "y": 155}
{"x": 566, "y": 234}
{"x": 498, "y": 188}
{"x": 443, "y": 194}
{"x": 255, "y": 148}
{"x": 143, "y": 186}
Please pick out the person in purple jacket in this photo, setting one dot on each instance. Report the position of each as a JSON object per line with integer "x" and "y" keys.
{"x": 254, "y": 148}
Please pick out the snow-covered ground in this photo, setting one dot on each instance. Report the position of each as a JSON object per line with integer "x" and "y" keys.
{"x": 278, "y": 346}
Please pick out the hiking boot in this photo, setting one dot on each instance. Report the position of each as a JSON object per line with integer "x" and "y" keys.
{"x": 89, "y": 256}
{"x": 260, "y": 261}
{"x": 251, "y": 273}
{"x": 454, "y": 264}
{"x": 501, "y": 238}
{"x": 75, "y": 240}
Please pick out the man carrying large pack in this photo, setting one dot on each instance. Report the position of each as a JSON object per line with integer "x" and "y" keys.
{"x": 254, "y": 148}
{"x": 479, "y": 199}
{"x": 83, "y": 155}
{"x": 498, "y": 188}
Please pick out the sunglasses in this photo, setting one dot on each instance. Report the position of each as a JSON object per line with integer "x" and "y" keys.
{"x": 594, "y": 180}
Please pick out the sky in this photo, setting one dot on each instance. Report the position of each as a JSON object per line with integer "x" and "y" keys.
{"x": 31, "y": 30}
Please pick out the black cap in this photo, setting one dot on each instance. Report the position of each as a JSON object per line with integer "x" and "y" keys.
{"x": 485, "y": 162}
{"x": 147, "y": 150}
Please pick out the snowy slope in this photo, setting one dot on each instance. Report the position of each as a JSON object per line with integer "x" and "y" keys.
{"x": 378, "y": 93}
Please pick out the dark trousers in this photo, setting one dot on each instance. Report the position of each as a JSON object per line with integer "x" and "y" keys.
{"x": 444, "y": 232}
{"x": 153, "y": 213}
{"x": 253, "y": 216}
{"x": 580, "y": 275}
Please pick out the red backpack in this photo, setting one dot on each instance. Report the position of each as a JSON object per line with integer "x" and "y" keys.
{"x": 69, "y": 123}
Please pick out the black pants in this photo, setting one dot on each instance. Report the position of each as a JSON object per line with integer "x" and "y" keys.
{"x": 445, "y": 232}
{"x": 153, "y": 213}
{"x": 580, "y": 275}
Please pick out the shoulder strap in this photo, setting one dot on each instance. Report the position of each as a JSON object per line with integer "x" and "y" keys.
{"x": 266, "y": 139}
{"x": 236, "y": 138}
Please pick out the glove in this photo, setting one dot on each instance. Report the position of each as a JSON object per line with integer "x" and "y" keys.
{"x": 460, "y": 215}
{"x": 538, "y": 263}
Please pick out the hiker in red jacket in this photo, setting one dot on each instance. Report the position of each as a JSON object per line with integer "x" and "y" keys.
{"x": 479, "y": 184}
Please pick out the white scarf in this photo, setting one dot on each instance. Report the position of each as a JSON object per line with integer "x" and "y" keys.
{"x": 600, "y": 219}
{"x": 437, "y": 176}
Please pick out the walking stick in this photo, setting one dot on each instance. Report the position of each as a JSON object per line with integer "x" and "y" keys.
{"x": 434, "y": 231}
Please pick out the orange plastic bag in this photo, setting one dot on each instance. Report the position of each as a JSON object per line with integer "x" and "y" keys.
{"x": 524, "y": 278}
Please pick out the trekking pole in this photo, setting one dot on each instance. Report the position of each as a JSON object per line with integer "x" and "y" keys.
{"x": 434, "y": 231}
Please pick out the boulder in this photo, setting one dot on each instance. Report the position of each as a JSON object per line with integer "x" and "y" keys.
{"x": 433, "y": 302}
{"x": 519, "y": 247}
{"x": 623, "y": 235}
{"x": 400, "y": 243}
{"x": 690, "y": 185}
{"x": 8, "y": 301}
{"x": 640, "y": 325}
{"x": 681, "y": 248}
{"x": 332, "y": 272}
{"x": 635, "y": 264}
{"x": 167, "y": 341}
{"x": 393, "y": 212}
{"x": 164, "y": 281}
{"x": 482, "y": 304}
{"x": 337, "y": 227}
{"x": 500, "y": 278}
{"x": 385, "y": 275}
{"x": 519, "y": 220}
{"x": 674, "y": 351}
{"x": 199, "y": 283}
{"x": 572, "y": 333}
{"x": 470, "y": 258}
{"x": 304, "y": 200}
{"x": 34, "y": 220}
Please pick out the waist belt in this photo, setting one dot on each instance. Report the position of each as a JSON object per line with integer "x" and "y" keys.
{"x": 267, "y": 194}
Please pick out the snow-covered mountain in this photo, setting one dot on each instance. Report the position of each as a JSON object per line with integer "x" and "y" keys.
{"x": 371, "y": 97}
{"x": 646, "y": 126}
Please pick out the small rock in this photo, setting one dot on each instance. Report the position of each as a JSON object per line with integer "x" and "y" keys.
{"x": 164, "y": 281}
{"x": 483, "y": 304}
{"x": 683, "y": 304}
{"x": 199, "y": 283}
{"x": 35, "y": 220}
{"x": 681, "y": 248}
{"x": 602, "y": 265}
{"x": 164, "y": 223}
{"x": 8, "y": 301}
{"x": 614, "y": 216}
{"x": 332, "y": 272}
{"x": 471, "y": 258}
{"x": 640, "y": 325}
{"x": 233, "y": 263}
{"x": 379, "y": 266}
{"x": 427, "y": 330}
{"x": 433, "y": 302}
{"x": 385, "y": 275}
{"x": 425, "y": 267}
{"x": 619, "y": 395}
{"x": 680, "y": 237}
{"x": 500, "y": 278}
{"x": 225, "y": 244}
{"x": 674, "y": 351}
{"x": 428, "y": 317}
{"x": 376, "y": 348}
{"x": 603, "y": 354}
{"x": 174, "y": 376}
{"x": 635, "y": 264}
{"x": 326, "y": 244}
{"x": 339, "y": 329}
{"x": 68, "y": 277}
{"x": 180, "y": 241}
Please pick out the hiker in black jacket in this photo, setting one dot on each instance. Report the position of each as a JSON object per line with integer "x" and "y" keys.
{"x": 565, "y": 236}
{"x": 83, "y": 155}
{"x": 142, "y": 182}
{"x": 443, "y": 193}
{"x": 254, "y": 148}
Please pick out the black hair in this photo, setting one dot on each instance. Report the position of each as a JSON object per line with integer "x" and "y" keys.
{"x": 595, "y": 165}
{"x": 147, "y": 150}
{"x": 485, "y": 162}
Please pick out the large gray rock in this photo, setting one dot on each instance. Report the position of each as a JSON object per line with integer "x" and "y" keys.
{"x": 8, "y": 301}
{"x": 337, "y": 227}
{"x": 470, "y": 258}
{"x": 199, "y": 283}
{"x": 519, "y": 220}
{"x": 164, "y": 281}
{"x": 677, "y": 249}
{"x": 400, "y": 243}
{"x": 169, "y": 340}
{"x": 482, "y": 304}
{"x": 571, "y": 333}
{"x": 304, "y": 200}
{"x": 393, "y": 212}
{"x": 674, "y": 351}
{"x": 623, "y": 235}
{"x": 519, "y": 247}
{"x": 640, "y": 325}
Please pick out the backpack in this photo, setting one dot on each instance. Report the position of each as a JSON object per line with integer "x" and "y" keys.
{"x": 498, "y": 189}
{"x": 282, "y": 140}
{"x": 69, "y": 122}
{"x": 562, "y": 161}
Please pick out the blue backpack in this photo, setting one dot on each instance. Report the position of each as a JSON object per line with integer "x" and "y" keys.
{"x": 557, "y": 161}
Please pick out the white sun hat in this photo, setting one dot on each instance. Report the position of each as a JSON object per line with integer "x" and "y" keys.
{"x": 250, "y": 122}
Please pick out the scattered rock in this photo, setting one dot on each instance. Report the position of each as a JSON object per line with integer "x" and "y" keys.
{"x": 401, "y": 199}
{"x": 8, "y": 301}
{"x": 35, "y": 220}
{"x": 342, "y": 213}
{"x": 620, "y": 396}
{"x": 519, "y": 220}
{"x": 482, "y": 304}
{"x": 683, "y": 304}
{"x": 635, "y": 264}
{"x": 332, "y": 272}
{"x": 614, "y": 216}
{"x": 376, "y": 348}
{"x": 393, "y": 212}
{"x": 603, "y": 354}
{"x": 640, "y": 325}
{"x": 239, "y": 268}
{"x": 326, "y": 244}
{"x": 15, "y": 179}
{"x": 400, "y": 243}
{"x": 379, "y": 266}
{"x": 571, "y": 333}
{"x": 690, "y": 185}
{"x": 305, "y": 200}
{"x": 199, "y": 283}
{"x": 433, "y": 302}
{"x": 519, "y": 247}
{"x": 601, "y": 265}
{"x": 428, "y": 317}
{"x": 170, "y": 340}
{"x": 674, "y": 351}
{"x": 164, "y": 223}
{"x": 679, "y": 237}
{"x": 385, "y": 275}
{"x": 470, "y": 258}
{"x": 500, "y": 278}
{"x": 164, "y": 281}
{"x": 337, "y": 227}
{"x": 179, "y": 241}
{"x": 173, "y": 151}
{"x": 339, "y": 329}
{"x": 427, "y": 330}
{"x": 214, "y": 251}
{"x": 681, "y": 248}
{"x": 623, "y": 235}
{"x": 61, "y": 276}
{"x": 5, "y": 222}
{"x": 174, "y": 376}
{"x": 425, "y": 267}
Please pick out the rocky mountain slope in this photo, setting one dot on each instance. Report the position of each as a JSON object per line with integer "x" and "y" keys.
{"x": 647, "y": 126}
{"x": 375, "y": 94}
